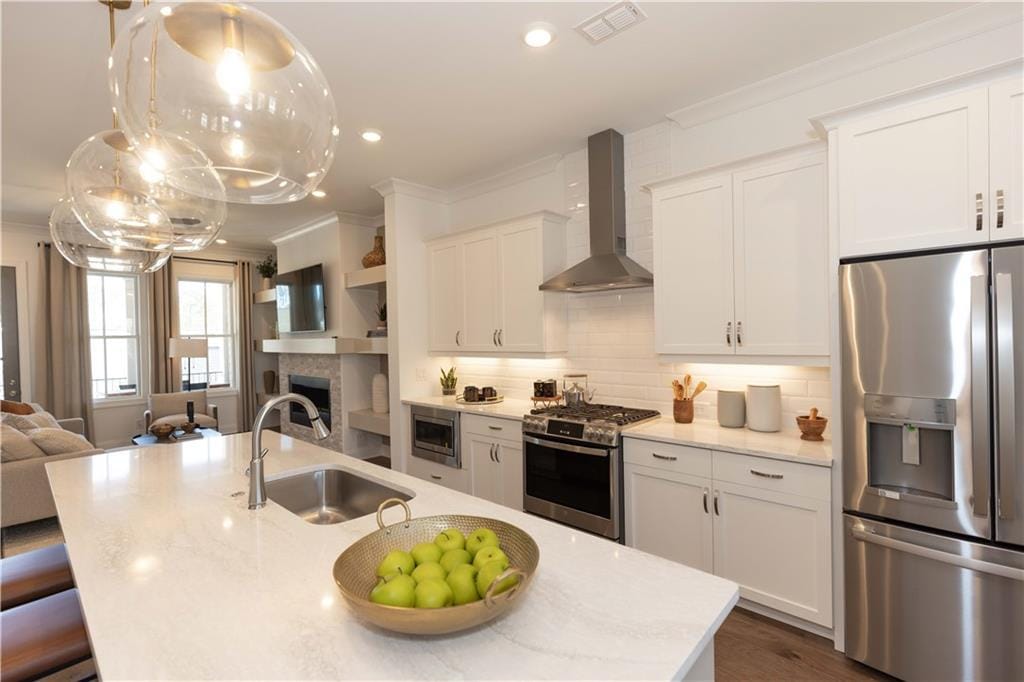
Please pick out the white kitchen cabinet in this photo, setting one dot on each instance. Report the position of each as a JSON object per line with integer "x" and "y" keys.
{"x": 777, "y": 547}
{"x": 441, "y": 474}
{"x": 444, "y": 275}
{"x": 1006, "y": 157}
{"x": 742, "y": 258}
{"x": 492, "y": 303}
{"x": 669, "y": 514}
{"x": 494, "y": 455}
{"x": 484, "y": 469}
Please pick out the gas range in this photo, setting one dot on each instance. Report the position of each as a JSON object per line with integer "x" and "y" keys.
{"x": 590, "y": 423}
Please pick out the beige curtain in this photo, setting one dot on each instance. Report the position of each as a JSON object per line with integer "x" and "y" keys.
{"x": 246, "y": 378}
{"x": 62, "y": 365}
{"x": 162, "y": 313}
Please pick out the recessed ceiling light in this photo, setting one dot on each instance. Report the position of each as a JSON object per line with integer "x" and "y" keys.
{"x": 539, "y": 35}
{"x": 319, "y": 193}
{"x": 222, "y": 241}
{"x": 371, "y": 135}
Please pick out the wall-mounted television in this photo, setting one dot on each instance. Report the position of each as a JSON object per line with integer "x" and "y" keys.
{"x": 300, "y": 300}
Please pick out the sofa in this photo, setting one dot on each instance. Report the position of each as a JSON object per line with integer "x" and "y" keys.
{"x": 172, "y": 408}
{"x": 24, "y": 488}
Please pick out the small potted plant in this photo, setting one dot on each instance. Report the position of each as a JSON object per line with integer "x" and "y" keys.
{"x": 267, "y": 269}
{"x": 448, "y": 381}
{"x": 382, "y": 316}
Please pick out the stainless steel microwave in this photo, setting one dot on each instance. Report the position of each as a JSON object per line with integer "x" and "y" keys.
{"x": 435, "y": 435}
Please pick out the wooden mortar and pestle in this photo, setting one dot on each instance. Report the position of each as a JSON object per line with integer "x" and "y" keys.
{"x": 812, "y": 426}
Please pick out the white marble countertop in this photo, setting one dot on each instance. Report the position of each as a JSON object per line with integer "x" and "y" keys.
{"x": 510, "y": 408}
{"x": 784, "y": 445}
{"x": 179, "y": 580}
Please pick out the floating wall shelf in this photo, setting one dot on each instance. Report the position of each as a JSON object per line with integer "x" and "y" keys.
{"x": 265, "y": 296}
{"x": 368, "y": 420}
{"x": 370, "y": 277}
{"x": 328, "y": 346}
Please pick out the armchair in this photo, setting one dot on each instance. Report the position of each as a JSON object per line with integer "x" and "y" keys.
{"x": 171, "y": 408}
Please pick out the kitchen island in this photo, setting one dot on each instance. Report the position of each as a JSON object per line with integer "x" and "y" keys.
{"x": 180, "y": 580}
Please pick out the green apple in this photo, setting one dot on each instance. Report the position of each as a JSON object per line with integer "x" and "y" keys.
{"x": 490, "y": 571}
{"x": 395, "y": 590}
{"x": 462, "y": 580}
{"x": 433, "y": 594}
{"x": 455, "y": 557}
{"x": 426, "y": 553}
{"x": 396, "y": 561}
{"x": 429, "y": 571}
{"x": 450, "y": 539}
{"x": 488, "y": 554}
{"x": 480, "y": 538}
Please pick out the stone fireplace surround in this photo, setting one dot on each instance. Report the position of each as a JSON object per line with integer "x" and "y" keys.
{"x": 323, "y": 366}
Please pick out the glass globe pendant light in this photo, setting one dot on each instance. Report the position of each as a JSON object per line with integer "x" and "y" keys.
{"x": 79, "y": 247}
{"x": 235, "y": 83}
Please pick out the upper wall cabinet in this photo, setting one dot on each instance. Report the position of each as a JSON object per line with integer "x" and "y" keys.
{"x": 937, "y": 172}
{"x": 741, "y": 260}
{"x": 484, "y": 295}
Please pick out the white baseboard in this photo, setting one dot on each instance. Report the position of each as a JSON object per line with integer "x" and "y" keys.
{"x": 813, "y": 628}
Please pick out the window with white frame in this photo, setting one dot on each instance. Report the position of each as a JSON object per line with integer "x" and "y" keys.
{"x": 206, "y": 311}
{"x": 114, "y": 334}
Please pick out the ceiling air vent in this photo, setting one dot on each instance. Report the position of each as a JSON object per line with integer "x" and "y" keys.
{"x": 610, "y": 21}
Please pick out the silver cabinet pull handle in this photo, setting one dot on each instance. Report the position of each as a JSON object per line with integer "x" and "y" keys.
{"x": 705, "y": 500}
{"x": 492, "y": 452}
{"x": 1006, "y": 424}
{"x": 435, "y": 477}
{"x": 739, "y": 333}
{"x": 763, "y": 474}
{"x": 494, "y": 428}
{"x": 999, "y": 209}
{"x": 979, "y": 211}
{"x": 728, "y": 334}
{"x": 667, "y": 458}
{"x": 457, "y": 341}
{"x": 497, "y": 453}
{"x": 501, "y": 335}
{"x": 494, "y": 337}
{"x": 717, "y": 513}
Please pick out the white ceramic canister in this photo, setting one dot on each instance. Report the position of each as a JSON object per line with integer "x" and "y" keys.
{"x": 764, "y": 407}
{"x": 380, "y": 394}
{"x": 732, "y": 409}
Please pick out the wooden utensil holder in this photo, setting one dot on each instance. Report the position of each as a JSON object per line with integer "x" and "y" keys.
{"x": 682, "y": 411}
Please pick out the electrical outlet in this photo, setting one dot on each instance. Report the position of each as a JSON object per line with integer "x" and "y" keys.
{"x": 421, "y": 374}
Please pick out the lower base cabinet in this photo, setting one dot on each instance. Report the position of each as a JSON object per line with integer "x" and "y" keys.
{"x": 449, "y": 477}
{"x": 496, "y": 469}
{"x": 772, "y": 537}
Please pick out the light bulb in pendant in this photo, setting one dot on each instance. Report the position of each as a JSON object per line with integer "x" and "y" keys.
{"x": 233, "y": 72}
{"x": 115, "y": 210}
{"x": 237, "y": 147}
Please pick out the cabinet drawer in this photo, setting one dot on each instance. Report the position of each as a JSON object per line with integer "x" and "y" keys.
{"x": 456, "y": 479}
{"x": 681, "y": 459}
{"x": 806, "y": 480}
{"x": 493, "y": 427}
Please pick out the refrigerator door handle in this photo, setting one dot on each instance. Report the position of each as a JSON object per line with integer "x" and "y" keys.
{"x": 865, "y": 534}
{"x": 979, "y": 394}
{"x": 1006, "y": 428}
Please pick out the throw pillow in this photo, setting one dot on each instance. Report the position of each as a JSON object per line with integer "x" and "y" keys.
{"x": 15, "y": 407}
{"x": 15, "y": 445}
{"x": 28, "y": 422}
{"x": 58, "y": 441}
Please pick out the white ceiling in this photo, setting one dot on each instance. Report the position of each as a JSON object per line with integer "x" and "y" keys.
{"x": 454, "y": 90}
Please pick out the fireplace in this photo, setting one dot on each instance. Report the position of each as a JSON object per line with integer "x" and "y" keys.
{"x": 318, "y": 390}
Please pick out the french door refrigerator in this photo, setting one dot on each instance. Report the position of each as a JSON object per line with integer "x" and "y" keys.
{"x": 933, "y": 463}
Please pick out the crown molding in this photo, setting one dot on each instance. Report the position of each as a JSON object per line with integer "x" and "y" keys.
{"x": 305, "y": 228}
{"x": 398, "y": 186}
{"x": 944, "y": 30}
{"x": 514, "y": 176}
{"x": 360, "y": 220}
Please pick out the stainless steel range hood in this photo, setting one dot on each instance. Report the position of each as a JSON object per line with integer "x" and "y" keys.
{"x": 608, "y": 266}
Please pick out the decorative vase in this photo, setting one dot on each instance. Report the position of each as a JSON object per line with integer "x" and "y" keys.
{"x": 266, "y": 283}
{"x": 764, "y": 408}
{"x": 380, "y": 394}
{"x": 269, "y": 381}
{"x": 376, "y": 256}
{"x": 682, "y": 411}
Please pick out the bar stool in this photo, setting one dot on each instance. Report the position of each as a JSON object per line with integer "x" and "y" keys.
{"x": 33, "y": 575}
{"x": 42, "y": 637}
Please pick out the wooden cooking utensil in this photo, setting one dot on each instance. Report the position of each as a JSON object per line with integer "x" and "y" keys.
{"x": 687, "y": 380}
{"x": 698, "y": 390}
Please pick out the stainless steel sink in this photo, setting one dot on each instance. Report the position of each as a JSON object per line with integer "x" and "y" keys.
{"x": 328, "y": 496}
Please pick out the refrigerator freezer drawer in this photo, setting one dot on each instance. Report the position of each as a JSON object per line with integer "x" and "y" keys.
{"x": 923, "y": 606}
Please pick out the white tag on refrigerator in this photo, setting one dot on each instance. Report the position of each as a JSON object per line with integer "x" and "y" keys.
{"x": 911, "y": 445}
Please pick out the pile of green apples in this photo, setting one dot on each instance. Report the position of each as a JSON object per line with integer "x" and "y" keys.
{"x": 450, "y": 571}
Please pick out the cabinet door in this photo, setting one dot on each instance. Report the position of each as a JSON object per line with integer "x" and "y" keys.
{"x": 781, "y": 257}
{"x": 913, "y": 177}
{"x": 445, "y": 295}
{"x": 510, "y": 460}
{"x": 669, "y": 514}
{"x": 455, "y": 479}
{"x": 521, "y": 318}
{"x": 480, "y": 291}
{"x": 777, "y": 547}
{"x": 1006, "y": 179}
{"x": 693, "y": 291}
{"x": 484, "y": 469}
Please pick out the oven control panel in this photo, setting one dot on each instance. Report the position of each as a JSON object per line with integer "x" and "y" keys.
{"x": 595, "y": 431}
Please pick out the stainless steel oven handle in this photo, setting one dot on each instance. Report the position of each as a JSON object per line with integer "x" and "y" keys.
{"x": 866, "y": 535}
{"x": 554, "y": 445}
{"x": 979, "y": 392}
{"x": 434, "y": 420}
{"x": 1006, "y": 426}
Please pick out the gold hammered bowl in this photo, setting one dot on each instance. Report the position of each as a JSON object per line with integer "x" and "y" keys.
{"x": 355, "y": 572}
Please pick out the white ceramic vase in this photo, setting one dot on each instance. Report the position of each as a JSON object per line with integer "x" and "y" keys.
{"x": 764, "y": 408}
{"x": 380, "y": 394}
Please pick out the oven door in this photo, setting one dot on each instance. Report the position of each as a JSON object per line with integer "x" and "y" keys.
{"x": 436, "y": 438}
{"x": 577, "y": 485}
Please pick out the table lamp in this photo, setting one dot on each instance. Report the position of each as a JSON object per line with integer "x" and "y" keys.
{"x": 188, "y": 348}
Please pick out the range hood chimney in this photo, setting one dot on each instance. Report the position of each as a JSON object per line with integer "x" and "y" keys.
{"x": 608, "y": 267}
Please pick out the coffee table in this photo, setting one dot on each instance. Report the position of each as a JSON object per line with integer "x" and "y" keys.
{"x": 150, "y": 439}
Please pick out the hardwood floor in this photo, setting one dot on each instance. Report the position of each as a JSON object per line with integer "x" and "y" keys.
{"x": 749, "y": 646}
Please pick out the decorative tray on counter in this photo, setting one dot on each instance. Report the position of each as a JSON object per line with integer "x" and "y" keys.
{"x": 355, "y": 572}
{"x": 483, "y": 401}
